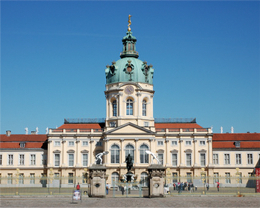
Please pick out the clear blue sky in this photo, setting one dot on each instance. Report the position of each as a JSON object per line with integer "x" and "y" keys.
{"x": 205, "y": 55}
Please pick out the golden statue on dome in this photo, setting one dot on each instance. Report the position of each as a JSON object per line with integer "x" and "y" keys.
{"x": 129, "y": 21}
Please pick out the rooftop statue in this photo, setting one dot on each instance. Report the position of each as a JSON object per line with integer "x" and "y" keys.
{"x": 154, "y": 156}
{"x": 99, "y": 157}
{"x": 129, "y": 21}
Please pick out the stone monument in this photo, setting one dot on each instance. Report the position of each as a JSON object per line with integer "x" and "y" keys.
{"x": 97, "y": 177}
{"x": 156, "y": 178}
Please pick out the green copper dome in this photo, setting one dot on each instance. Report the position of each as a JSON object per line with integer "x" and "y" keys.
{"x": 129, "y": 68}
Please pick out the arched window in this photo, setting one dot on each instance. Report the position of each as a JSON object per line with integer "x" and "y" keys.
{"x": 129, "y": 149}
{"x": 143, "y": 154}
{"x": 114, "y": 153}
{"x": 114, "y": 105}
{"x": 144, "y": 104}
{"x": 144, "y": 179}
{"x": 129, "y": 107}
{"x": 114, "y": 179}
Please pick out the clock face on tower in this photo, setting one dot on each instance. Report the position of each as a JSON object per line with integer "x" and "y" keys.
{"x": 129, "y": 90}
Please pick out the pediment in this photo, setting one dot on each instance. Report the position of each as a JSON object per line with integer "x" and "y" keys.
{"x": 130, "y": 128}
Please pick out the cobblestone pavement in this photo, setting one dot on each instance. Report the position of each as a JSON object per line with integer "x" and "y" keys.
{"x": 176, "y": 201}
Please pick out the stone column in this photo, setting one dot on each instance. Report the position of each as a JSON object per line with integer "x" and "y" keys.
{"x": 77, "y": 152}
{"x": 195, "y": 152}
{"x": 136, "y": 151}
{"x": 209, "y": 151}
{"x": 180, "y": 147}
{"x": 63, "y": 153}
{"x": 121, "y": 153}
{"x": 166, "y": 152}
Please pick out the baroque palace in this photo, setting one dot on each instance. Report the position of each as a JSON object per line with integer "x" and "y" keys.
{"x": 182, "y": 146}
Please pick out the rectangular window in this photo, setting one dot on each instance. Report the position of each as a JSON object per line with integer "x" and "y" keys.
{"x": 21, "y": 159}
{"x": 85, "y": 143}
{"x": 174, "y": 177}
{"x": 71, "y": 143}
{"x": 216, "y": 178}
{"x": 227, "y": 177}
{"x": 114, "y": 104}
{"x": 189, "y": 179}
{"x": 160, "y": 158}
{"x": 188, "y": 159}
{"x": 85, "y": 160}
{"x": 174, "y": 143}
{"x": 21, "y": 178}
{"x": 188, "y": 143}
{"x": 238, "y": 159}
{"x": 203, "y": 159}
{"x": 71, "y": 159}
{"x": 10, "y": 178}
{"x": 215, "y": 159}
{"x": 33, "y": 159}
{"x": 227, "y": 159}
{"x": 99, "y": 144}
{"x": 57, "y": 143}
{"x": 44, "y": 159}
{"x": 57, "y": 159}
{"x": 160, "y": 143}
{"x": 32, "y": 178}
{"x": 202, "y": 142}
{"x": 174, "y": 160}
{"x": 10, "y": 160}
{"x": 70, "y": 178}
{"x": 1, "y": 160}
{"x": 249, "y": 159}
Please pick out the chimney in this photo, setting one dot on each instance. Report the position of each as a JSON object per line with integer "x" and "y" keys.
{"x": 33, "y": 132}
{"x": 8, "y": 133}
{"x": 221, "y": 130}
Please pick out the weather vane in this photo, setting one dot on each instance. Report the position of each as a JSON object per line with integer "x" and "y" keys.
{"x": 129, "y": 21}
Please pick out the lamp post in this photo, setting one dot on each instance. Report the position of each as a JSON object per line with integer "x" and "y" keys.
{"x": 203, "y": 178}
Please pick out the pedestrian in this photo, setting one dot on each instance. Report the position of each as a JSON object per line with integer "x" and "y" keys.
{"x": 107, "y": 188}
{"x": 207, "y": 186}
{"x": 218, "y": 186}
{"x": 174, "y": 186}
{"x": 78, "y": 187}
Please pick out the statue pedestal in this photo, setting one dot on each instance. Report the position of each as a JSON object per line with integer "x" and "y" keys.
{"x": 156, "y": 179}
{"x": 97, "y": 176}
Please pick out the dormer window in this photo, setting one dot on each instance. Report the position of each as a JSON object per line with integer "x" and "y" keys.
{"x": 22, "y": 145}
{"x": 237, "y": 144}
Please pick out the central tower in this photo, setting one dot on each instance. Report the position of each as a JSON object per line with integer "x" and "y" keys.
{"x": 129, "y": 88}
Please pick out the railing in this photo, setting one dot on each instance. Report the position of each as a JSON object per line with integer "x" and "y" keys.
{"x": 195, "y": 185}
{"x": 175, "y": 120}
{"x": 83, "y": 120}
{"x": 182, "y": 130}
{"x": 75, "y": 130}
{"x": 102, "y": 120}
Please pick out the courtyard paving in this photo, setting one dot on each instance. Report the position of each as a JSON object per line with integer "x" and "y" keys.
{"x": 174, "y": 201}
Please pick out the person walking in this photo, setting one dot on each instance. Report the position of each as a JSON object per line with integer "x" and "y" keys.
{"x": 207, "y": 186}
{"x": 78, "y": 187}
{"x": 107, "y": 188}
{"x": 218, "y": 186}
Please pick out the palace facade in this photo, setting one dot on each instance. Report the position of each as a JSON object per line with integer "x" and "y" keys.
{"x": 181, "y": 145}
